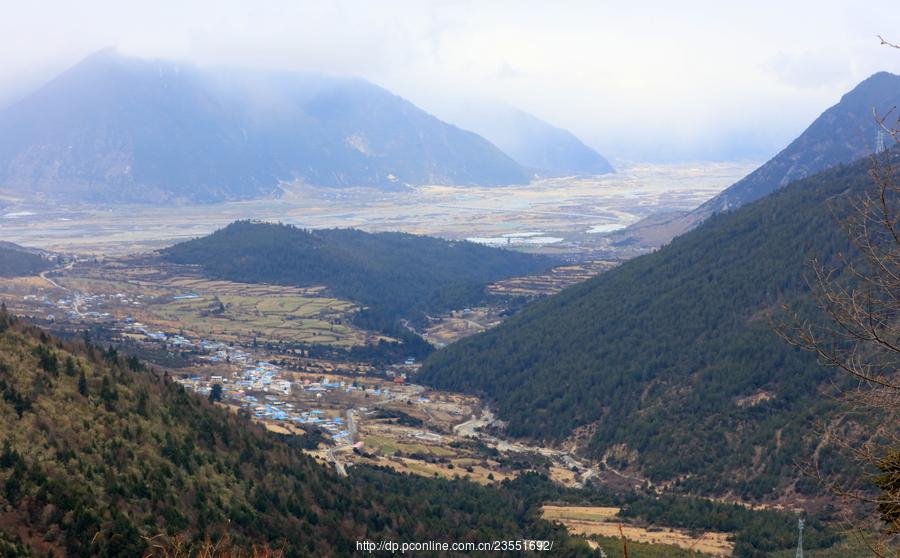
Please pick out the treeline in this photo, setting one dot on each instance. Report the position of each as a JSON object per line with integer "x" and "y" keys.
{"x": 672, "y": 358}
{"x": 99, "y": 452}
{"x": 395, "y": 275}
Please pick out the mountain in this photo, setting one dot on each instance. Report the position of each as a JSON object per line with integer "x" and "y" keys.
{"x": 529, "y": 140}
{"x": 668, "y": 365}
{"x": 101, "y": 455}
{"x": 395, "y": 275}
{"x": 118, "y": 129}
{"x": 17, "y": 260}
{"x": 843, "y": 133}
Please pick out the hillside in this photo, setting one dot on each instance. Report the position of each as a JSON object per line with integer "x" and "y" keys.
{"x": 16, "y": 261}
{"x": 396, "y": 275}
{"x": 97, "y": 452}
{"x": 843, "y": 133}
{"x": 118, "y": 129}
{"x": 529, "y": 140}
{"x": 673, "y": 354}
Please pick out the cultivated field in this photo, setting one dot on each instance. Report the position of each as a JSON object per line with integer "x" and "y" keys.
{"x": 551, "y": 282}
{"x": 603, "y": 522}
{"x": 176, "y": 299}
{"x": 267, "y": 316}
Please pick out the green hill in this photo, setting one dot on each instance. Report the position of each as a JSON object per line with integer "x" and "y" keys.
{"x": 395, "y": 275}
{"x": 99, "y": 452}
{"x": 16, "y": 261}
{"x": 669, "y": 363}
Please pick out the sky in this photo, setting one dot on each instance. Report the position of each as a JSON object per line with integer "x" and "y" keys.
{"x": 644, "y": 81}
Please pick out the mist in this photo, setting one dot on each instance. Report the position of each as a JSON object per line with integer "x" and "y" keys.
{"x": 700, "y": 81}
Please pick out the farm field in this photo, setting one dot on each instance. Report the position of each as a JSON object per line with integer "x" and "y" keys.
{"x": 176, "y": 299}
{"x": 603, "y": 522}
{"x": 275, "y": 316}
{"x": 552, "y": 282}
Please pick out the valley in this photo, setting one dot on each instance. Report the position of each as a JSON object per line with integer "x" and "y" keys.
{"x": 299, "y": 362}
{"x": 255, "y": 345}
{"x": 445, "y": 279}
{"x": 565, "y": 216}
{"x": 258, "y": 343}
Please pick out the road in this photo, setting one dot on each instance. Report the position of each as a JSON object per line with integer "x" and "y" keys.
{"x": 332, "y": 458}
{"x": 471, "y": 427}
{"x": 76, "y": 297}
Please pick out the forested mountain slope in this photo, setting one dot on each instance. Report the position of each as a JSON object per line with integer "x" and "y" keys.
{"x": 98, "y": 452}
{"x": 670, "y": 361}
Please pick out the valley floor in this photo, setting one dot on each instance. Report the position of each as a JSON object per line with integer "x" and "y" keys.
{"x": 567, "y": 216}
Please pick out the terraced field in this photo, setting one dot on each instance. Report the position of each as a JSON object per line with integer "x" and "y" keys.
{"x": 276, "y": 316}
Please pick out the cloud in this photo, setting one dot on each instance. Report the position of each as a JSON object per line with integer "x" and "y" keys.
{"x": 506, "y": 71}
{"x": 811, "y": 69}
{"x": 649, "y": 80}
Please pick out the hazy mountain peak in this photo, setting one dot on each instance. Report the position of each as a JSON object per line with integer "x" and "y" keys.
{"x": 532, "y": 142}
{"x": 843, "y": 133}
{"x": 115, "y": 128}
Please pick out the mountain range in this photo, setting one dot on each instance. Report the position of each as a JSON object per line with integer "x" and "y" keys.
{"x": 119, "y": 129}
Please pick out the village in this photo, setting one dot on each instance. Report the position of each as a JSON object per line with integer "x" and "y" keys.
{"x": 343, "y": 412}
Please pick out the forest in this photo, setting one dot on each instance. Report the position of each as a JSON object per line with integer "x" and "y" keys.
{"x": 101, "y": 453}
{"x": 675, "y": 353}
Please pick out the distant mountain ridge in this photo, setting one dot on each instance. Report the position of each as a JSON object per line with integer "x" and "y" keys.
{"x": 532, "y": 142}
{"x": 843, "y": 133}
{"x": 119, "y": 129}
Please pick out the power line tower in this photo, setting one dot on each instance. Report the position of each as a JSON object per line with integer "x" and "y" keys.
{"x": 879, "y": 142}
{"x": 799, "y": 539}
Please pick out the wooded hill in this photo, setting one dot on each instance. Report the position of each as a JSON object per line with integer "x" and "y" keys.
{"x": 17, "y": 261}
{"x": 99, "y": 452}
{"x": 669, "y": 363}
{"x": 396, "y": 275}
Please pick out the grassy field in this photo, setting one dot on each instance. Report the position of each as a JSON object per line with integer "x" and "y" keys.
{"x": 268, "y": 316}
{"x": 602, "y": 522}
{"x": 389, "y": 446}
{"x": 478, "y": 474}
